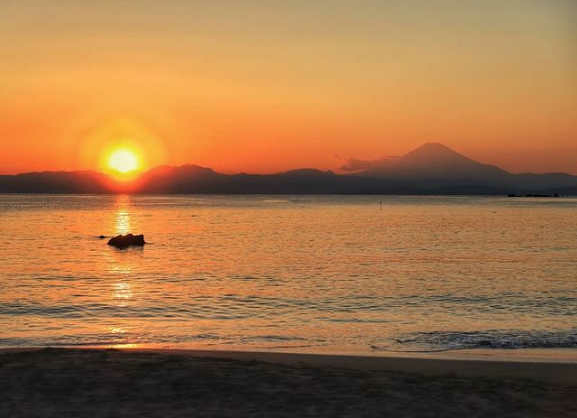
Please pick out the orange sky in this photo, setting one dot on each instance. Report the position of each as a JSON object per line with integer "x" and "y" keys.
{"x": 238, "y": 86}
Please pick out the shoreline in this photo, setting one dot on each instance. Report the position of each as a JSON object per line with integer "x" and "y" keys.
{"x": 468, "y": 365}
{"x": 551, "y": 366}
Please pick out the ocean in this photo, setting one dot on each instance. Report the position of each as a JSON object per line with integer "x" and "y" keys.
{"x": 350, "y": 274}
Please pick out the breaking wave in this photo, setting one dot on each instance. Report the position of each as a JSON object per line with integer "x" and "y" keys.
{"x": 502, "y": 339}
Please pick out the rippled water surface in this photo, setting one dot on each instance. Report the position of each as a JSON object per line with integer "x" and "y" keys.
{"x": 308, "y": 273}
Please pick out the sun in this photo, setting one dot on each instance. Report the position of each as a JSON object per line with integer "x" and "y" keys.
{"x": 123, "y": 161}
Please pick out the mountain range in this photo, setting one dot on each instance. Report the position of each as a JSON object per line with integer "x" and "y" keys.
{"x": 430, "y": 169}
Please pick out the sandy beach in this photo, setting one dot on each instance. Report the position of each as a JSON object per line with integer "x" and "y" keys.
{"x": 180, "y": 383}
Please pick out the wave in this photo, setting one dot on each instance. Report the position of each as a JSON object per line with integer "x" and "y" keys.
{"x": 498, "y": 339}
{"x": 351, "y": 309}
{"x": 124, "y": 338}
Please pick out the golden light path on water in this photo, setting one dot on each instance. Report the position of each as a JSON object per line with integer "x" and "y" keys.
{"x": 122, "y": 288}
{"x": 122, "y": 222}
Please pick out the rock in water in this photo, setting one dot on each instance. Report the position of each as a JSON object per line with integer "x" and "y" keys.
{"x": 128, "y": 240}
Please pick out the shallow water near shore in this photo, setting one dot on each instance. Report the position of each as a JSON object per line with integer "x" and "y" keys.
{"x": 363, "y": 274}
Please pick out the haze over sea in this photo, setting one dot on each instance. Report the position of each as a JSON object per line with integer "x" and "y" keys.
{"x": 363, "y": 274}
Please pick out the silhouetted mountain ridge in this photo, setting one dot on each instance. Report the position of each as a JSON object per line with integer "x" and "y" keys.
{"x": 430, "y": 169}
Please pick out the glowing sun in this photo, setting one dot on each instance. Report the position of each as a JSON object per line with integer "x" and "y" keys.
{"x": 123, "y": 161}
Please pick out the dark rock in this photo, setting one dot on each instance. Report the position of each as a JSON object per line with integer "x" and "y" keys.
{"x": 128, "y": 240}
{"x": 101, "y": 236}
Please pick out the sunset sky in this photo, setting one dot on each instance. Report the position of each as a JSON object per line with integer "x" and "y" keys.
{"x": 264, "y": 86}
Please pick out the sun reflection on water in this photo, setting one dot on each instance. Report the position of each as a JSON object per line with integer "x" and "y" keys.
{"x": 124, "y": 346}
{"x": 119, "y": 334}
{"x": 122, "y": 219}
{"x": 122, "y": 222}
{"x": 117, "y": 331}
{"x": 122, "y": 290}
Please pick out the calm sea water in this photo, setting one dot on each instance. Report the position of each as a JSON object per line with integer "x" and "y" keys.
{"x": 297, "y": 273}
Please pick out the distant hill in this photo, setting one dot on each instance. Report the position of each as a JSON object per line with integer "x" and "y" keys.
{"x": 56, "y": 182}
{"x": 430, "y": 169}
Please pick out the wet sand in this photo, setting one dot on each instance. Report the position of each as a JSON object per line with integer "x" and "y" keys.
{"x": 183, "y": 383}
